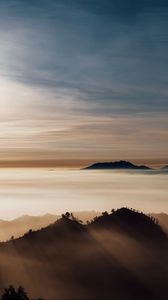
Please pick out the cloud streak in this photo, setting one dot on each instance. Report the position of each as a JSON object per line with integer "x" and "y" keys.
{"x": 74, "y": 73}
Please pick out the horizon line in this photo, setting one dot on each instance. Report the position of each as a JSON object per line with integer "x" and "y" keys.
{"x": 74, "y": 163}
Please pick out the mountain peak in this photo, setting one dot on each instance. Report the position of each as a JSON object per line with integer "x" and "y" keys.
{"x": 126, "y": 221}
{"x": 131, "y": 222}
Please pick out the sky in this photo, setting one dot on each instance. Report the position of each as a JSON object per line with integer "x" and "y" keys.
{"x": 83, "y": 81}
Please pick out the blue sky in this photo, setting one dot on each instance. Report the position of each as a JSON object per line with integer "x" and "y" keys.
{"x": 83, "y": 79}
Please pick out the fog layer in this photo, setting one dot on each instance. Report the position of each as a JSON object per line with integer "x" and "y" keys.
{"x": 40, "y": 191}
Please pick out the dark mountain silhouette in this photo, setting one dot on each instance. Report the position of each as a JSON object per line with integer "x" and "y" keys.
{"x": 21, "y": 225}
{"x": 18, "y": 227}
{"x": 117, "y": 165}
{"x": 124, "y": 220}
{"x": 131, "y": 222}
{"x": 121, "y": 255}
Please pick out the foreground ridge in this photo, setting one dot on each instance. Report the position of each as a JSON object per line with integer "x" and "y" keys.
{"x": 118, "y": 255}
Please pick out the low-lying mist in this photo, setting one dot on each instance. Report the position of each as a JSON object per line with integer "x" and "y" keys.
{"x": 41, "y": 191}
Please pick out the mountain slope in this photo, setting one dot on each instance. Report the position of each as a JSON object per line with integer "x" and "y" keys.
{"x": 163, "y": 220}
{"x": 109, "y": 258}
{"x": 21, "y": 225}
{"x": 131, "y": 222}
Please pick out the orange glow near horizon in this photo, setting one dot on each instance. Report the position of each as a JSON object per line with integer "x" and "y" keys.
{"x": 73, "y": 163}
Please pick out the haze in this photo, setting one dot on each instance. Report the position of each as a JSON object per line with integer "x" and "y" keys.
{"x": 41, "y": 191}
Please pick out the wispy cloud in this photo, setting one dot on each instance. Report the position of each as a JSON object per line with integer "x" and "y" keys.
{"x": 75, "y": 73}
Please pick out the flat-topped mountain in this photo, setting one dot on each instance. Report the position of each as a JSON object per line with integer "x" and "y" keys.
{"x": 122, "y": 164}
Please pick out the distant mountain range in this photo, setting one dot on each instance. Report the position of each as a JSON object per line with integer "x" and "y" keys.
{"x": 21, "y": 225}
{"x": 121, "y": 165}
{"x": 121, "y": 255}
